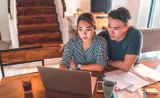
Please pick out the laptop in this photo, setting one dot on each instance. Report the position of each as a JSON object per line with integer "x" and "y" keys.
{"x": 70, "y": 81}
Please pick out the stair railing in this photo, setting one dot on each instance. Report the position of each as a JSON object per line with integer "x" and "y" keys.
{"x": 62, "y": 19}
{"x": 9, "y": 9}
{"x": 64, "y": 7}
{"x": 12, "y": 10}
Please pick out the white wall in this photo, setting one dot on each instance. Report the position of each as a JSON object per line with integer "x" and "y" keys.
{"x": 156, "y": 21}
{"x": 143, "y": 13}
{"x": 4, "y": 24}
{"x": 131, "y": 5}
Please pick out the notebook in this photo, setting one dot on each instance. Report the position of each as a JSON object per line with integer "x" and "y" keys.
{"x": 70, "y": 81}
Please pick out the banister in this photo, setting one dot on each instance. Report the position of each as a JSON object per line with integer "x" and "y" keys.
{"x": 9, "y": 9}
{"x": 64, "y": 7}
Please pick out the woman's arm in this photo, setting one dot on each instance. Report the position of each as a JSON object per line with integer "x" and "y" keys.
{"x": 62, "y": 47}
{"x": 67, "y": 55}
{"x": 63, "y": 66}
{"x": 88, "y": 67}
{"x": 92, "y": 67}
{"x": 101, "y": 56}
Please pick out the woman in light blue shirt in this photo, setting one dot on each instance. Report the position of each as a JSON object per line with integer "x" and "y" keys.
{"x": 86, "y": 51}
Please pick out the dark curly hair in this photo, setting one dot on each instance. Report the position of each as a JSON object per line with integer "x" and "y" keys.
{"x": 89, "y": 18}
{"x": 121, "y": 13}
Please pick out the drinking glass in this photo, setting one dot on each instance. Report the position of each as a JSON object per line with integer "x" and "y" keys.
{"x": 27, "y": 84}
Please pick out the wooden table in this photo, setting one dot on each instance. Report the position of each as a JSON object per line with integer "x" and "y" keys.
{"x": 11, "y": 87}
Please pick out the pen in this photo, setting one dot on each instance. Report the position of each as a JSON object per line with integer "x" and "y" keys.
{"x": 101, "y": 78}
{"x": 144, "y": 93}
{"x": 112, "y": 95}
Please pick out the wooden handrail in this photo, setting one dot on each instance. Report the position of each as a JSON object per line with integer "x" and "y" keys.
{"x": 26, "y": 48}
{"x": 64, "y": 7}
{"x": 9, "y": 8}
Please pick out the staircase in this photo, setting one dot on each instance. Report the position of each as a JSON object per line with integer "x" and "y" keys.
{"x": 37, "y": 23}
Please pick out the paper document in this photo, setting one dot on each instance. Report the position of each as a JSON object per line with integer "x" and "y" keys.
{"x": 121, "y": 83}
{"x": 158, "y": 68}
{"x": 147, "y": 73}
{"x": 138, "y": 77}
{"x": 135, "y": 81}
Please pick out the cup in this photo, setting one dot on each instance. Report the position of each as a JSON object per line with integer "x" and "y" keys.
{"x": 108, "y": 88}
{"x": 27, "y": 85}
{"x": 28, "y": 95}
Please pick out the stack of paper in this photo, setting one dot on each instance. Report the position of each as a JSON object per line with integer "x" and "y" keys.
{"x": 147, "y": 73}
{"x": 135, "y": 79}
{"x": 158, "y": 68}
{"x": 126, "y": 79}
{"x": 120, "y": 82}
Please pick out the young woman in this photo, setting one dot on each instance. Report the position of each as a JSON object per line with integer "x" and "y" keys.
{"x": 86, "y": 51}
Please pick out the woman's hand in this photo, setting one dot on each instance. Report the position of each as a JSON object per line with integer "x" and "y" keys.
{"x": 62, "y": 47}
{"x": 73, "y": 65}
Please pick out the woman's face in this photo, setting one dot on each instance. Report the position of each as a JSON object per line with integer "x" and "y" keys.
{"x": 85, "y": 31}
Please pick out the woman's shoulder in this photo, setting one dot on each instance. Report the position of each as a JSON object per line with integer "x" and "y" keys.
{"x": 100, "y": 39}
{"x": 100, "y": 43}
{"x": 74, "y": 40}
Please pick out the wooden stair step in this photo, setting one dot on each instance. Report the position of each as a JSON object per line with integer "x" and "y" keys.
{"x": 50, "y": 37}
{"x": 33, "y": 25}
{"x": 44, "y": 44}
{"x": 35, "y": 28}
{"x": 37, "y": 19}
{"x": 37, "y": 23}
{"x": 38, "y": 10}
{"x": 37, "y": 40}
{"x": 54, "y": 35}
{"x": 22, "y": 3}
